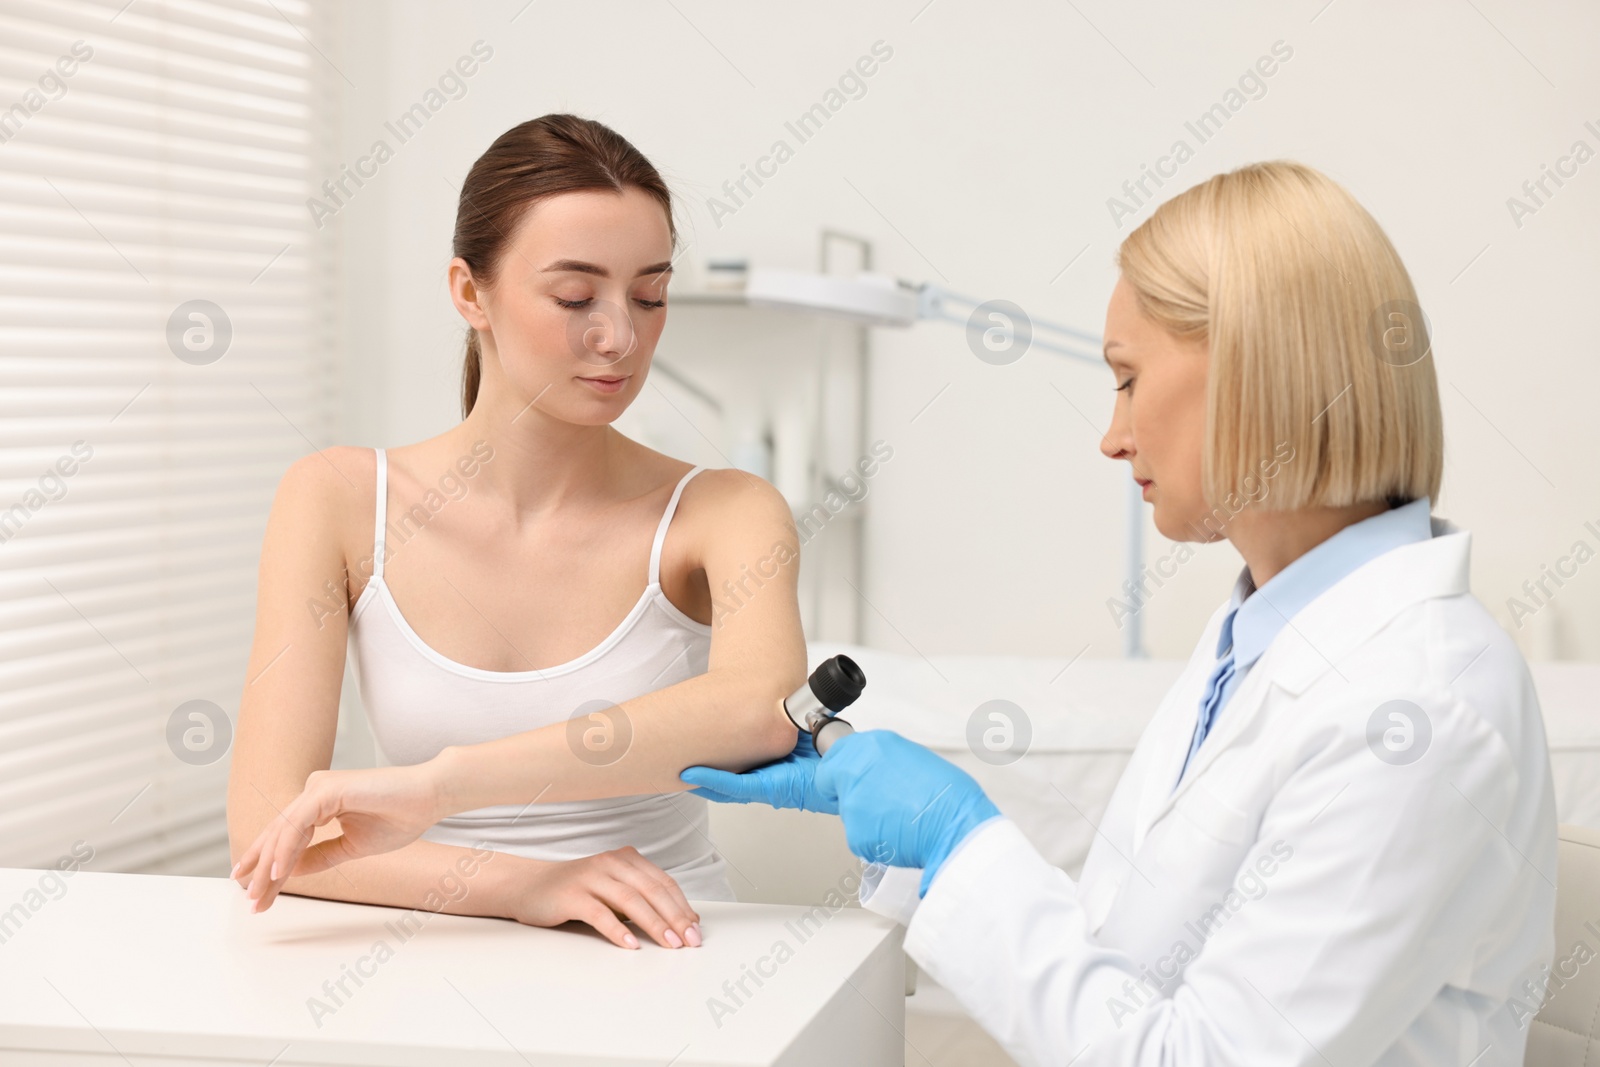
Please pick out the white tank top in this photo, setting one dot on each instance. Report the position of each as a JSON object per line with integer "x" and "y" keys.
{"x": 418, "y": 701}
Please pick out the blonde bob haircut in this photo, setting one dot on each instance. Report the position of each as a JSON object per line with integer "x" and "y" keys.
{"x": 1317, "y": 343}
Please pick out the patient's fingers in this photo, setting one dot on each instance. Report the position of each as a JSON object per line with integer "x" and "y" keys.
{"x": 667, "y": 883}
{"x": 602, "y": 918}
{"x": 260, "y": 891}
{"x": 625, "y": 897}
{"x": 247, "y": 863}
{"x": 254, "y": 869}
{"x": 261, "y": 877}
{"x": 322, "y": 856}
{"x": 257, "y": 863}
{"x": 289, "y": 835}
{"x": 251, "y": 859}
{"x": 264, "y": 857}
{"x": 286, "y": 853}
{"x": 665, "y": 897}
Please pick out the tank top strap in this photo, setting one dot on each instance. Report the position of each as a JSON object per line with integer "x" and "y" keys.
{"x": 381, "y": 518}
{"x": 661, "y": 530}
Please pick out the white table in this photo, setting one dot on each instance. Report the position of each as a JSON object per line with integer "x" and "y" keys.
{"x": 156, "y": 970}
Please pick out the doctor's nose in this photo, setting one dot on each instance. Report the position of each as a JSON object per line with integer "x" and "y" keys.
{"x": 1117, "y": 443}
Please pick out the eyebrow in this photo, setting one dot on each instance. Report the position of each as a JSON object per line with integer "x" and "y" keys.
{"x": 578, "y": 266}
{"x": 1106, "y": 352}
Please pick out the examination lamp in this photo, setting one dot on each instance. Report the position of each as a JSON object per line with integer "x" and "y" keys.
{"x": 879, "y": 300}
{"x": 869, "y": 299}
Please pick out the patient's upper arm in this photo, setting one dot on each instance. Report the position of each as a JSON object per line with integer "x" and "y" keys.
{"x": 750, "y": 550}
{"x": 289, "y": 702}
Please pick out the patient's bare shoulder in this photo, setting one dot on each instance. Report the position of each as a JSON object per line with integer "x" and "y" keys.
{"x": 729, "y": 522}
{"x": 331, "y": 494}
{"x": 725, "y": 506}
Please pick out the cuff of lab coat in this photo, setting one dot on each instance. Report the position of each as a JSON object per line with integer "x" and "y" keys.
{"x": 963, "y": 890}
{"x": 895, "y": 892}
{"x": 891, "y": 891}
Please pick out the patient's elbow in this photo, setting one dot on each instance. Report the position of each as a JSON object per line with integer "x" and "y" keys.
{"x": 770, "y": 734}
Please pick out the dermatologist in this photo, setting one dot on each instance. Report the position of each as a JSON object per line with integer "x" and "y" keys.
{"x": 1335, "y": 843}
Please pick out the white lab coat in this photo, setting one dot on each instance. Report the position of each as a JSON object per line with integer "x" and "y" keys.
{"x": 1297, "y": 900}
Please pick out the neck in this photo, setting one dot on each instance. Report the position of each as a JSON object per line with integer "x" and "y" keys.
{"x": 540, "y": 462}
{"x": 1271, "y": 540}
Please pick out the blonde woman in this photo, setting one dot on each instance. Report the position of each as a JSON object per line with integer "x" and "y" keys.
{"x": 1336, "y": 841}
{"x": 526, "y": 597}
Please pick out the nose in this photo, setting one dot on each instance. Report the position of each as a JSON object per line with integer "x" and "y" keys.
{"x": 1118, "y": 440}
{"x": 608, "y": 333}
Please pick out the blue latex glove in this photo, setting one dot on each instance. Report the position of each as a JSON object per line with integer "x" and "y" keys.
{"x": 901, "y": 804}
{"x": 786, "y": 783}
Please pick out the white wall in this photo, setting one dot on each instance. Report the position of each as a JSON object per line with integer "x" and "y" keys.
{"x": 981, "y": 156}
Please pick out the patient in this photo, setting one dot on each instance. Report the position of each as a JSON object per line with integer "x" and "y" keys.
{"x": 527, "y": 596}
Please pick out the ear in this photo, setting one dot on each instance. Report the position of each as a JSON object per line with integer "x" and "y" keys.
{"x": 465, "y": 294}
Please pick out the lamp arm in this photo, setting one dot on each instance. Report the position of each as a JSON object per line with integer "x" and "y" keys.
{"x": 933, "y": 302}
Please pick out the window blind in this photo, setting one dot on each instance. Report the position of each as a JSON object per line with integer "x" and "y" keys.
{"x": 166, "y": 351}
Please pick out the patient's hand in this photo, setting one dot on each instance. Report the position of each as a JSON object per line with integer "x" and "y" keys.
{"x": 378, "y": 810}
{"x": 603, "y": 890}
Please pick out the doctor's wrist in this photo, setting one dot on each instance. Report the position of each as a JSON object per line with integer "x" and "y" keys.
{"x": 956, "y": 834}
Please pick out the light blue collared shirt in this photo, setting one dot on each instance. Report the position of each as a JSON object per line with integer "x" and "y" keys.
{"x": 1256, "y": 615}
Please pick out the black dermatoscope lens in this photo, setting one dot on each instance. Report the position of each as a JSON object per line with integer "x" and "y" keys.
{"x": 832, "y": 687}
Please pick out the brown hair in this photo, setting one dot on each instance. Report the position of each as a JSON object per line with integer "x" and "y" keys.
{"x": 529, "y": 162}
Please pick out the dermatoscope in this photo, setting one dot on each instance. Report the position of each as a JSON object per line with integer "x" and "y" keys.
{"x": 832, "y": 687}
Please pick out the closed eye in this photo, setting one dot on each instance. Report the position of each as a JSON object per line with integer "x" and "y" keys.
{"x": 588, "y": 300}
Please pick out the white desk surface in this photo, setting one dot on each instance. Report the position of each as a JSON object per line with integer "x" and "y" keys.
{"x": 150, "y": 969}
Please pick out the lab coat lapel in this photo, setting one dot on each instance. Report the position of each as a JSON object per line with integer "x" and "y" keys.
{"x": 1314, "y": 642}
{"x": 1172, "y": 728}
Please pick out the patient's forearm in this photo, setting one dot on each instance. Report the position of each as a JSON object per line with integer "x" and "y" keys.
{"x": 424, "y": 875}
{"x": 719, "y": 719}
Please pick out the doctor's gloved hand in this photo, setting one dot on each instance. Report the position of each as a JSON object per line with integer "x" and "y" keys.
{"x": 786, "y": 783}
{"x": 901, "y": 804}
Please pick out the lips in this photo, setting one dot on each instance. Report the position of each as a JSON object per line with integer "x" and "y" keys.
{"x": 605, "y": 384}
